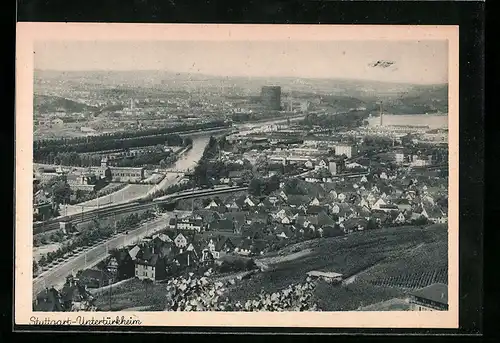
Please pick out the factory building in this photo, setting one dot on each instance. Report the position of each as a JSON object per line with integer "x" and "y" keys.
{"x": 271, "y": 97}
{"x": 121, "y": 174}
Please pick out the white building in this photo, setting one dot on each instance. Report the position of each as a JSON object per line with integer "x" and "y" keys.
{"x": 332, "y": 167}
{"x": 341, "y": 149}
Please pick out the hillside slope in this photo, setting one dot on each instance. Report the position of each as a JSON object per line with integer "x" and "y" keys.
{"x": 48, "y": 103}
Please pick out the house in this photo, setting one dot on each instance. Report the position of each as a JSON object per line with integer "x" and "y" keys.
{"x": 325, "y": 220}
{"x": 125, "y": 264}
{"x": 93, "y": 278}
{"x": 112, "y": 265}
{"x": 400, "y": 219}
{"x": 255, "y": 230}
{"x": 388, "y": 208}
{"x": 321, "y": 165}
{"x": 245, "y": 247}
{"x": 430, "y": 298}
{"x": 283, "y": 232}
{"x": 435, "y": 215}
{"x": 326, "y": 276}
{"x": 354, "y": 224}
{"x": 133, "y": 252}
{"x": 364, "y": 203}
{"x": 309, "y": 164}
{"x": 335, "y": 208}
{"x": 223, "y": 225}
{"x": 298, "y": 200}
{"x": 314, "y": 202}
{"x": 186, "y": 224}
{"x": 42, "y": 205}
{"x": 283, "y": 195}
{"x": 207, "y": 216}
{"x": 48, "y": 300}
{"x": 181, "y": 241}
{"x": 249, "y": 202}
{"x": 238, "y": 219}
{"x": 212, "y": 205}
{"x": 333, "y": 194}
{"x": 403, "y": 204}
{"x": 222, "y": 247}
{"x": 314, "y": 210}
{"x": 149, "y": 266}
{"x": 186, "y": 259}
{"x": 232, "y": 206}
{"x": 341, "y": 197}
{"x": 73, "y": 295}
{"x": 164, "y": 249}
{"x": 163, "y": 237}
{"x": 378, "y": 203}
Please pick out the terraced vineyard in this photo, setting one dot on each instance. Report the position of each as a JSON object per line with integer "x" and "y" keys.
{"x": 414, "y": 280}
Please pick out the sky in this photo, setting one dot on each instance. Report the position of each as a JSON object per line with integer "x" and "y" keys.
{"x": 419, "y": 62}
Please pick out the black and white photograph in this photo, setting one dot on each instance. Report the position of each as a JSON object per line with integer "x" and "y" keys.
{"x": 241, "y": 175}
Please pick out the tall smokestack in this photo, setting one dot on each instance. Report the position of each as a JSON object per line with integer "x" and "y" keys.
{"x": 381, "y": 115}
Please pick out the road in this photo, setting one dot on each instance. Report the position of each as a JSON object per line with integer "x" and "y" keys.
{"x": 57, "y": 275}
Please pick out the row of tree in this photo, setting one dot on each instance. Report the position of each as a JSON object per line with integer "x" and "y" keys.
{"x": 71, "y": 154}
{"x": 94, "y": 233}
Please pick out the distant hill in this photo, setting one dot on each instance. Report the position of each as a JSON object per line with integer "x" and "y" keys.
{"x": 419, "y": 100}
{"x": 399, "y": 97}
{"x": 48, "y": 103}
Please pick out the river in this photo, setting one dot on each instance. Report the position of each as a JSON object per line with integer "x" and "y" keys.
{"x": 189, "y": 159}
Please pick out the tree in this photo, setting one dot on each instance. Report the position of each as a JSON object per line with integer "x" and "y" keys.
{"x": 42, "y": 261}
{"x": 372, "y": 224}
{"x": 35, "y": 267}
{"x": 255, "y": 187}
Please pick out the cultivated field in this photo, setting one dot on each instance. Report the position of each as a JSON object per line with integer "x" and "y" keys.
{"x": 134, "y": 294}
{"x": 369, "y": 256}
{"x": 383, "y": 253}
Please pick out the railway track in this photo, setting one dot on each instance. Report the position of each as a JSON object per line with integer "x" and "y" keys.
{"x": 127, "y": 208}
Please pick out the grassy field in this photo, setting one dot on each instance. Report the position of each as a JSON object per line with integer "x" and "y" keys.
{"x": 386, "y": 252}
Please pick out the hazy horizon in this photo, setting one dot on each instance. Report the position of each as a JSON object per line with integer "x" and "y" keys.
{"x": 415, "y": 62}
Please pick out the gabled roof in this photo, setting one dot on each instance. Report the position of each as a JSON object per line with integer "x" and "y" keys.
{"x": 313, "y": 220}
{"x": 298, "y": 200}
{"x": 434, "y": 212}
{"x": 185, "y": 257}
{"x": 134, "y": 251}
{"x": 325, "y": 220}
{"x": 148, "y": 259}
{"x": 49, "y": 301}
{"x": 316, "y": 209}
{"x": 223, "y": 225}
{"x": 222, "y": 242}
{"x": 437, "y": 292}
{"x": 354, "y": 223}
{"x": 237, "y": 217}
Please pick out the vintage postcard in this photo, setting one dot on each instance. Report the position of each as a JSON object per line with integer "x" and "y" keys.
{"x": 237, "y": 175}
